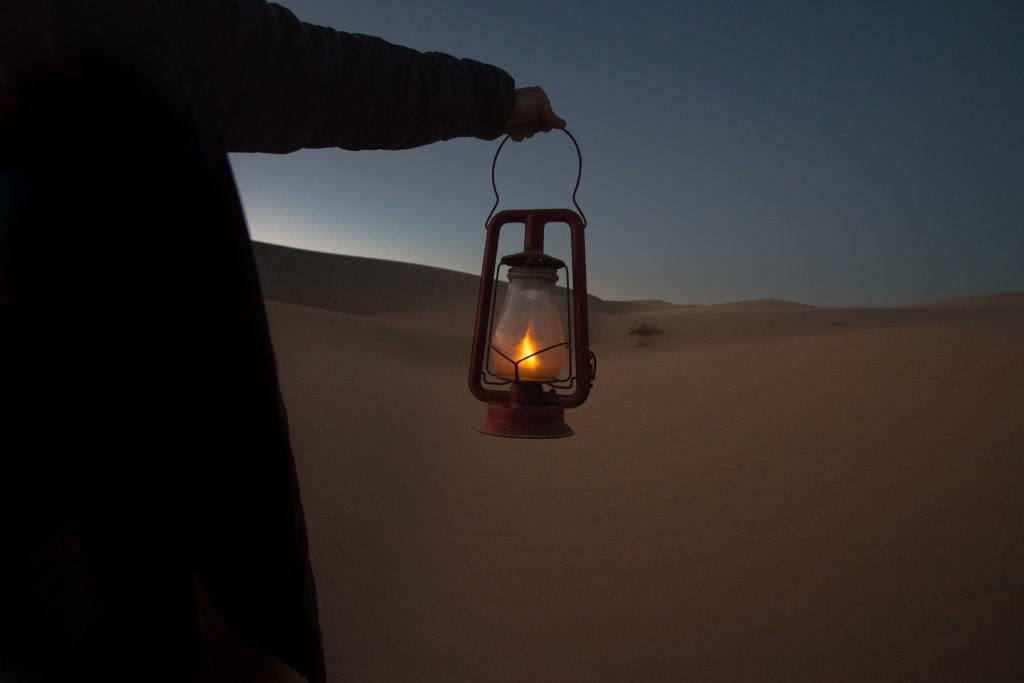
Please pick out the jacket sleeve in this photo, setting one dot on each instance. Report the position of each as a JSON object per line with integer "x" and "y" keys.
{"x": 275, "y": 84}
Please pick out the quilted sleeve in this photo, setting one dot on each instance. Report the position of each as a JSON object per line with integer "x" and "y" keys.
{"x": 276, "y": 84}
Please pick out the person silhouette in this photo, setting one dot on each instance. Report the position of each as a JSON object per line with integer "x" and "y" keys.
{"x": 144, "y": 440}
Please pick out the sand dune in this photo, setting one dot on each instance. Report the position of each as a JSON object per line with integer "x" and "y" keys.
{"x": 779, "y": 493}
{"x": 653, "y": 303}
{"x": 1001, "y": 300}
{"x": 762, "y": 304}
{"x": 351, "y": 284}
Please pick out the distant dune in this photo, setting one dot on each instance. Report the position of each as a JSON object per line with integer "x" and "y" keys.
{"x": 1002, "y": 300}
{"x": 352, "y": 284}
{"x": 763, "y": 304}
{"x": 765, "y": 490}
{"x": 652, "y": 303}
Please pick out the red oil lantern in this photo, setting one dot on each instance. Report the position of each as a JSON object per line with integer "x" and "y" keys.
{"x": 532, "y": 360}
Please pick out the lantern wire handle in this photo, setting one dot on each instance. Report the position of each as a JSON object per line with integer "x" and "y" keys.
{"x": 579, "y": 174}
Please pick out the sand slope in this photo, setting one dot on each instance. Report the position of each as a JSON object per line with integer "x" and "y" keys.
{"x": 769, "y": 493}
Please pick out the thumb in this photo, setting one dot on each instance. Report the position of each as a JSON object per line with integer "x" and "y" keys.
{"x": 532, "y": 105}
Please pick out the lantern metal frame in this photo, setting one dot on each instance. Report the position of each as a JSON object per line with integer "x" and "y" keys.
{"x": 533, "y": 408}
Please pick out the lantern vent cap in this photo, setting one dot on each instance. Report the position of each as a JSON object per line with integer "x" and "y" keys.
{"x": 532, "y": 260}
{"x": 532, "y": 273}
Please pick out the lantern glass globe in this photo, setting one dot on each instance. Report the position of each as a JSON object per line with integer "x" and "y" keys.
{"x": 529, "y": 332}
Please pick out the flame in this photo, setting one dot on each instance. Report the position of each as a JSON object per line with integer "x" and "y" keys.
{"x": 528, "y": 348}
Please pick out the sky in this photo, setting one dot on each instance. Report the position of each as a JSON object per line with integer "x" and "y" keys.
{"x": 831, "y": 153}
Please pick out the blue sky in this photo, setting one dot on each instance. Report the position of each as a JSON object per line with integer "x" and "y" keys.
{"x": 847, "y": 153}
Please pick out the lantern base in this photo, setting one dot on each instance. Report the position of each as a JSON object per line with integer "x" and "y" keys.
{"x": 525, "y": 421}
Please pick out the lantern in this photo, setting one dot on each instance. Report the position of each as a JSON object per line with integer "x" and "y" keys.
{"x": 532, "y": 359}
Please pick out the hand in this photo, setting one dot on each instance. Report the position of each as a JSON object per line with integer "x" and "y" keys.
{"x": 531, "y": 114}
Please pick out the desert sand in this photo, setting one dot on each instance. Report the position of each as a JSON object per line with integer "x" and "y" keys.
{"x": 762, "y": 491}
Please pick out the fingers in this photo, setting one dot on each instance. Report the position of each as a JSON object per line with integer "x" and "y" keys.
{"x": 522, "y": 131}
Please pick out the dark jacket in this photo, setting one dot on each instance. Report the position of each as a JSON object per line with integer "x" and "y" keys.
{"x": 141, "y": 419}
